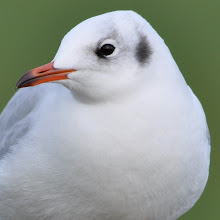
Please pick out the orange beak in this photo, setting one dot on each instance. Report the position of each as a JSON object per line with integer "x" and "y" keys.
{"x": 42, "y": 74}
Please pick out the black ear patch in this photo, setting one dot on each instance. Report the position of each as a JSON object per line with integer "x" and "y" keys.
{"x": 143, "y": 50}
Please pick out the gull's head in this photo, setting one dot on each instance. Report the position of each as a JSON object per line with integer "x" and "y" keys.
{"x": 105, "y": 55}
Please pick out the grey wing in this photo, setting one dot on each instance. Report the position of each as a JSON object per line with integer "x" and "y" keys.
{"x": 16, "y": 118}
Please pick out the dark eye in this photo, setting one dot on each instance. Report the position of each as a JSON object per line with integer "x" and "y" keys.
{"x": 105, "y": 50}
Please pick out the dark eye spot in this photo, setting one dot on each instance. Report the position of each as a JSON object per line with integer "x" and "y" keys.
{"x": 143, "y": 50}
{"x": 105, "y": 50}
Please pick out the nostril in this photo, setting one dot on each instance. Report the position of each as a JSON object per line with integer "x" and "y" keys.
{"x": 43, "y": 71}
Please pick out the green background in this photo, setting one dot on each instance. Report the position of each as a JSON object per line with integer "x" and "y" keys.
{"x": 31, "y": 32}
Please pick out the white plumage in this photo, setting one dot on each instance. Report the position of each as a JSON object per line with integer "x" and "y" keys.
{"x": 123, "y": 137}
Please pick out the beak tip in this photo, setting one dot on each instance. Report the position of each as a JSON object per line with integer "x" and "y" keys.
{"x": 18, "y": 85}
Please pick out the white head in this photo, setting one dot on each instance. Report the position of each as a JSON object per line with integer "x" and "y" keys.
{"x": 108, "y": 54}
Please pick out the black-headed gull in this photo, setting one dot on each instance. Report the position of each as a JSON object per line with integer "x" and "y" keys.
{"x": 120, "y": 135}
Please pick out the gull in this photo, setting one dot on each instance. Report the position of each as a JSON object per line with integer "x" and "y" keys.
{"x": 118, "y": 134}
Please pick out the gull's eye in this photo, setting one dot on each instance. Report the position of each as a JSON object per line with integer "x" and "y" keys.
{"x": 105, "y": 50}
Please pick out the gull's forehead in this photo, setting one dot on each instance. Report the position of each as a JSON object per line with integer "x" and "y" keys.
{"x": 106, "y": 25}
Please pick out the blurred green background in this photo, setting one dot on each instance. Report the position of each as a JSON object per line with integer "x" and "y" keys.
{"x": 31, "y": 32}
